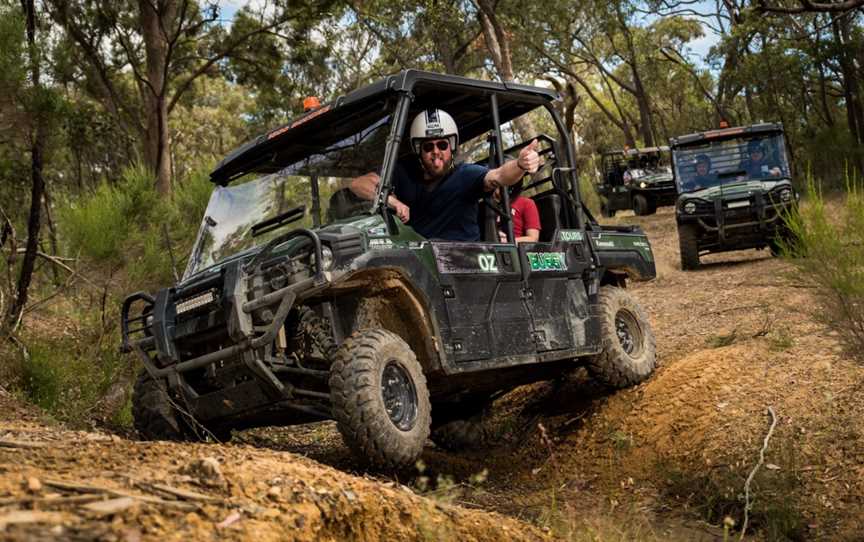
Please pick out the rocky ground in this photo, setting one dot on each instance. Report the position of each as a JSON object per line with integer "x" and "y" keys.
{"x": 667, "y": 460}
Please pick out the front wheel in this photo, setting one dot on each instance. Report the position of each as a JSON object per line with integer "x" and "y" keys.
{"x": 629, "y": 348}
{"x": 155, "y": 415}
{"x": 688, "y": 242}
{"x": 642, "y": 205}
{"x": 606, "y": 211}
{"x": 380, "y": 400}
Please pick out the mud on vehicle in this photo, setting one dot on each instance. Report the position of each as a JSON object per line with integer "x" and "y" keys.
{"x": 302, "y": 303}
{"x": 638, "y": 179}
{"x": 735, "y": 189}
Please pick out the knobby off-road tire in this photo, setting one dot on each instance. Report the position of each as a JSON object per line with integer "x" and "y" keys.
{"x": 641, "y": 205}
{"x": 688, "y": 242}
{"x": 459, "y": 435}
{"x": 606, "y": 211}
{"x": 155, "y": 418}
{"x": 629, "y": 347}
{"x": 379, "y": 398}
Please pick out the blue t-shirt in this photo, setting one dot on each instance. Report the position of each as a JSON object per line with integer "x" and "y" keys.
{"x": 449, "y": 210}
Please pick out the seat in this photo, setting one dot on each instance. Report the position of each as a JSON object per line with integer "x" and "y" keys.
{"x": 549, "y": 208}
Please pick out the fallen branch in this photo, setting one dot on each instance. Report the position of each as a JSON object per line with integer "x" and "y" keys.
{"x": 83, "y": 488}
{"x": 753, "y": 472}
{"x": 6, "y": 443}
{"x": 50, "y": 502}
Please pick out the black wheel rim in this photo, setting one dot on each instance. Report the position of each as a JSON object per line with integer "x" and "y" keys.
{"x": 628, "y": 332}
{"x": 399, "y": 395}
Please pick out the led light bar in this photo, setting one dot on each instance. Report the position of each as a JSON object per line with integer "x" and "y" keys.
{"x": 196, "y": 302}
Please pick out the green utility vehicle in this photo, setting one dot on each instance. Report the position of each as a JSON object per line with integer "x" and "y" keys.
{"x": 302, "y": 302}
{"x": 735, "y": 189}
{"x": 638, "y": 179}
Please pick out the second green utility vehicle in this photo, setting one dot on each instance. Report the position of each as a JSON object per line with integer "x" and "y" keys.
{"x": 735, "y": 188}
{"x": 638, "y": 179}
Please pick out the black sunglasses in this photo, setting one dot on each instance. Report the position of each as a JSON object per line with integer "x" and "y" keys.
{"x": 442, "y": 145}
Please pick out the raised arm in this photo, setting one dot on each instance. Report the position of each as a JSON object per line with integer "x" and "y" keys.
{"x": 513, "y": 170}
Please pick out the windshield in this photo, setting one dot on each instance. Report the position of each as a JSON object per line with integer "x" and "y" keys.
{"x": 729, "y": 161}
{"x": 631, "y": 165}
{"x": 255, "y": 210}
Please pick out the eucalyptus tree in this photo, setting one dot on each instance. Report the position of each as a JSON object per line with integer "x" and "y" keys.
{"x": 139, "y": 58}
{"x": 28, "y": 108}
{"x": 437, "y": 35}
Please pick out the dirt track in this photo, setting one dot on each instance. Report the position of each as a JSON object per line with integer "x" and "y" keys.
{"x": 733, "y": 339}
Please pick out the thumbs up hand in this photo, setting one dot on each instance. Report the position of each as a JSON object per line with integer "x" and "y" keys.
{"x": 529, "y": 160}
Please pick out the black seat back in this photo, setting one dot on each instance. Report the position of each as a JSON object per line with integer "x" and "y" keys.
{"x": 549, "y": 206}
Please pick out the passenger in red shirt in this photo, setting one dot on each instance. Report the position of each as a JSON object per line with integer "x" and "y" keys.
{"x": 526, "y": 218}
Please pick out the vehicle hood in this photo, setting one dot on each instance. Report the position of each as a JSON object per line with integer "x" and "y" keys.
{"x": 735, "y": 189}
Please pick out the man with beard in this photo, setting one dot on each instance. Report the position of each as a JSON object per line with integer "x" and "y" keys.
{"x": 435, "y": 195}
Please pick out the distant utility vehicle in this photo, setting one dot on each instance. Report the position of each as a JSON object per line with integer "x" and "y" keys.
{"x": 301, "y": 302}
{"x": 735, "y": 188}
{"x": 638, "y": 179}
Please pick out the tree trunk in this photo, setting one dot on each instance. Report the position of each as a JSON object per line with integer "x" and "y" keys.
{"x": 37, "y": 147}
{"x": 498, "y": 44}
{"x": 156, "y": 18}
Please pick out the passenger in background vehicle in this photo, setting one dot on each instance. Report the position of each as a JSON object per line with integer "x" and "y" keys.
{"x": 436, "y": 195}
{"x": 757, "y": 165}
{"x": 703, "y": 178}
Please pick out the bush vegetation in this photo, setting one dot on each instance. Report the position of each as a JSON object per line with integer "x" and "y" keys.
{"x": 828, "y": 252}
{"x": 117, "y": 236}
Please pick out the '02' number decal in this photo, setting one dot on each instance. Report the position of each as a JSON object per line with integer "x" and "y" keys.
{"x": 487, "y": 263}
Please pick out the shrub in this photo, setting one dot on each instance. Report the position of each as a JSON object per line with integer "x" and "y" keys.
{"x": 100, "y": 225}
{"x": 828, "y": 250}
{"x": 69, "y": 377}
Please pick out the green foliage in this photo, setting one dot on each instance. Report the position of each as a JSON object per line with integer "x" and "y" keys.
{"x": 828, "y": 250}
{"x": 718, "y": 495}
{"x": 100, "y": 225}
{"x": 68, "y": 376}
{"x": 128, "y": 226}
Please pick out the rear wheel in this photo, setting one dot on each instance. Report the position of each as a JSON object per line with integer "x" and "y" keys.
{"x": 688, "y": 242}
{"x": 629, "y": 347}
{"x": 380, "y": 400}
{"x": 458, "y": 435}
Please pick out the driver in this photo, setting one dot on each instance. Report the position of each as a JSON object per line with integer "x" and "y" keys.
{"x": 703, "y": 178}
{"x": 756, "y": 165}
{"x": 436, "y": 195}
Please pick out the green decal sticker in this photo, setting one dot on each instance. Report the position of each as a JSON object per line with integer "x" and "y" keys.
{"x": 547, "y": 261}
{"x": 570, "y": 235}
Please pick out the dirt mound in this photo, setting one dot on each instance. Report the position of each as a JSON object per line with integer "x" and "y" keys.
{"x": 61, "y": 484}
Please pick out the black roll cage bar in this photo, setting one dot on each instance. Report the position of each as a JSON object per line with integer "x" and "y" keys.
{"x": 394, "y": 141}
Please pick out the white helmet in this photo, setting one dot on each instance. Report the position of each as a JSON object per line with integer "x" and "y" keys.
{"x": 434, "y": 124}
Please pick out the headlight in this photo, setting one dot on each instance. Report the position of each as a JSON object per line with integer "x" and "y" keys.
{"x": 196, "y": 302}
{"x": 642, "y": 185}
{"x": 786, "y": 195}
{"x": 690, "y": 207}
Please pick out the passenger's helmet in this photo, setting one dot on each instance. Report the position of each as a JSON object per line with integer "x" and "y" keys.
{"x": 434, "y": 124}
{"x": 755, "y": 145}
